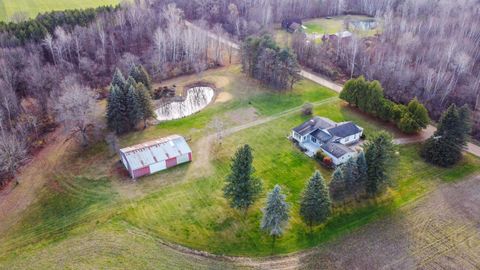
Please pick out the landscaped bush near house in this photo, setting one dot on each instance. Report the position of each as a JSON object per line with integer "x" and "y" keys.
{"x": 319, "y": 155}
{"x": 328, "y": 162}
{"x": 368, "y": 97}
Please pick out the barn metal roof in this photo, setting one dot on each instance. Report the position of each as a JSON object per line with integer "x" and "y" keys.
{"x": 148, "y": 153}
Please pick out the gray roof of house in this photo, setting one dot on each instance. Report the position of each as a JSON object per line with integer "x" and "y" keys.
{"x": 314, "y": 124}
{"x": 321, "y": 135}
{"x": 336, "y": 149}
{"x": 344, "y": 130}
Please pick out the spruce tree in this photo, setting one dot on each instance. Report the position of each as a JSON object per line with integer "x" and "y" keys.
{"x": 133, "y": 107}
{"x": 337, "y": 186}
{"x": 242, "y": 188}
{"x": 315, "y": 206}
{"x": 379, "y": 154}
{"x": 445, "y": 147}
{"x": 275, "y": 213}
{"x": 146, "y": 107}
{"x": 118, "y": 80}
{"x": 130, "y": 83}
{"x": 350, "y": 175}
{"x": 140, "y": 74}
{"x": 362, "y": 170}
{"x": 116, "y": 111}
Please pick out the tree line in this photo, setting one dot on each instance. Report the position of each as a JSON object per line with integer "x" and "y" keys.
{"x": 364, "y": 175}
{"x": 34, "y": 30}
{"x": 264, "y": 60}
{"x": 368, "y": 97}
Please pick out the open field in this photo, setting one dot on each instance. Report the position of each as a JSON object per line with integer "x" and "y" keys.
{"x": 320, "y": 26}
{"x": 90, "y": 215}
{"x": 32, "y": 7}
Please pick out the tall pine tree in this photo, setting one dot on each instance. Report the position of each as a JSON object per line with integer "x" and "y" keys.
{"x": 315, "y": 206}
{"x": 275, "y": 213}
{"x": 337, "y": 186}
{"x": 145, "y": 100}
{"x": 350, "y": 175}
{"x": 116, "y": 111}
{"x": 242, "y": 188}
{"x": 379, "y": 154}
{"x": 362, "y": 170}
{"x": 140, "y": 74}
{"x": 118, "y": 80}
{"x": 133, "y": 107}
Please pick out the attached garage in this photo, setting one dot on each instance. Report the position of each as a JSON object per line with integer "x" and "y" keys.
{"x": 154, "y": 156}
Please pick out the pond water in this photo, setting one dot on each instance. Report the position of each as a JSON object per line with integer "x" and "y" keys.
{"x": 197, "y": 98}
{"x": 364, "y": 25}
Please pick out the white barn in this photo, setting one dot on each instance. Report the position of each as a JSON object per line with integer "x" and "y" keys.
{"x": 154, "y": 156}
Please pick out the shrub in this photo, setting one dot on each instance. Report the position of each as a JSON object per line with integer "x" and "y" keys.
{"x": 328, "y": 161}
{"x": 320, "y": 155}
{"x": 307, "y": 109}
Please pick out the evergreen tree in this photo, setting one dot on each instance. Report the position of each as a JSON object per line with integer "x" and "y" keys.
{"x": 379, "y": 153}
{"x": 119, "y": 81}
{"x": 130, "y": 83}
{"x": 445, "y": 147}
{"x": 146, "y": 107}
{"x": 414, "y": 118}
{"x": 134, "y": 111}
{"x": 337, "y": 185}
{"x": 275, "y": 213}
{"x": 116, "y": 111}
{"x": 362, "y": 170}
{"x": 140, "y": 74}
{"x": 242, "y": 187}
{"x": 350, "y": 176}
{"x": 315, "y": 205}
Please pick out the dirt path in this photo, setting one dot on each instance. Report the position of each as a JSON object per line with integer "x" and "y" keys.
{"x": 32, "y": 178}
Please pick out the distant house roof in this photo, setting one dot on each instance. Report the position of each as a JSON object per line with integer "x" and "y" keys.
{"x": 148, "y": 153}
{"x": 344, "y": 130}
{"x": 336, "y": 149}
{"x": 286, "y": 23}
{"x": 294, "y": 26}
{"x": 314, "y": 124}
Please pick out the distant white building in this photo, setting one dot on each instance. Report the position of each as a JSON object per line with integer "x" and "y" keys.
{"x": 332, "y": 138}
{"x": 154, "y": 156}
{"x": 344, "y": 34}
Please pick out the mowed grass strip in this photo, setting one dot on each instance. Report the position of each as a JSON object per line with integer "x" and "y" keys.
{"x": 33, "y": 7}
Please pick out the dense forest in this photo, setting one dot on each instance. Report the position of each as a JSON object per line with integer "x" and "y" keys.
{"x": 428, "y": 49}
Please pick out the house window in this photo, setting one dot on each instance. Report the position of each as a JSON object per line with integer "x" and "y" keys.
{"x": 314, "y": 140}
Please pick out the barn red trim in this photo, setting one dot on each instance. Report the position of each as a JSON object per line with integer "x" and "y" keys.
{"x": 171, "y": 162}
{"x": 190, "y": 156}
{"x": 141, "y": 172}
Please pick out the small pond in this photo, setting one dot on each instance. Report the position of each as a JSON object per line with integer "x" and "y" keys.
{"x": 196, "y": 99}
{"x": 364, "y": 25}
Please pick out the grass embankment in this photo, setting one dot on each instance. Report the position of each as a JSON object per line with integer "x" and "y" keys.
{"x": 92, "y": 216}
{"x": 32, "y": 7}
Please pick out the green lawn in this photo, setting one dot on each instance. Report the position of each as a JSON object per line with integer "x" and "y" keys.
{"x": 104, "y": 220}
{"x": 32, "y": 7}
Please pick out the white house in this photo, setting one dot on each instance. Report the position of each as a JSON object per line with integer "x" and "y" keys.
{"x": 154, "y": 156}
{"x": 332, "y": 138}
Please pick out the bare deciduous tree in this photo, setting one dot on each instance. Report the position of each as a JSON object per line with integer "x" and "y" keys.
{"x": 75, "y": 108}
